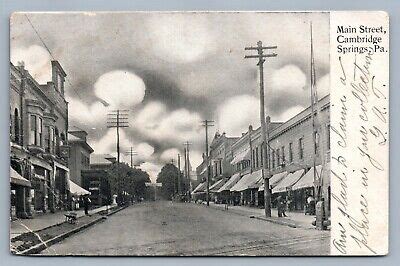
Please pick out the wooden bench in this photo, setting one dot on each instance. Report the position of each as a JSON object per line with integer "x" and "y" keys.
{"x": 70, "y": 217}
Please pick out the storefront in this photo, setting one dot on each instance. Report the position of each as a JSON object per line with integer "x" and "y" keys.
{"x": 273, "y": 182}
{"x": 284, "y": 188}
{"x": 77, "y": 193}
{"x": 224, "y": 191}
{"x": 20, "y": 188}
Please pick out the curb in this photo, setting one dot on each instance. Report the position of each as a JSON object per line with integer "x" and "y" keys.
{"x": 280, "y": 222}
{"x": 42, "y": 246}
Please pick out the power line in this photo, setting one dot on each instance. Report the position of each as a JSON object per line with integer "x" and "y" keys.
{"x": 131, "y": 153}
{"x": 264, "y": 133}
{"x": 51, "y": 54}
{"x": 117, "y": 119}
{"x": 207, "y": 123}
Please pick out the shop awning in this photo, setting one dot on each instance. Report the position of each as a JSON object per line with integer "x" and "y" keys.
{"x": 274, "y": 180}
{"x": 41, "y": 163}
{"x": 247, "y": 181}
{"x": 77, "y": 190}
{"x": 307, "y": 181}
{"x": 17, "y": 179}
{"x": 230, "y": 183}
{"x": 200, "y": 187}
{"x": 204, "y": 170}
{"x": 288, "y": 181}
{"x": 217, "y": 185}
{"x": 243, "y": 155}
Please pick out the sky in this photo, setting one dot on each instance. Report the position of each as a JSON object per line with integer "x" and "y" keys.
{"x": 171, "y": 71}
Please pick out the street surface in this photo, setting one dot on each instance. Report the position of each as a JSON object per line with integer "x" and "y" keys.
{"x": 183, "y": 229}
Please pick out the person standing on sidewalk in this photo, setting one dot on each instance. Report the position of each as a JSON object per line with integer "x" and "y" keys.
{"x": 86, "y": 202}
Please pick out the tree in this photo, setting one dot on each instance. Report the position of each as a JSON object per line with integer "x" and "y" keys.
{"x": 126, "y": 180}
{"x": 168, "y": 176}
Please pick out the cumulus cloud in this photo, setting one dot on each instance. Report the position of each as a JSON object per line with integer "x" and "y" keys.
{"x": 144, "y": 150}
{"x": 152, "y": 169}
{"x": 289, "y": 79}
{"x": 86, "y": 114}
{"x": 107, "y": 143}
{"x": 288, "y": 113}
{"x": 120, "y": 88}
{"x": 323, "y": 86}
{"x": 237, "y": 113}
{"x": 180, "y": 38}
{"x": 169, "y": 154}
{"x": 158, "y": 123}
{"x": 36, "y": 60}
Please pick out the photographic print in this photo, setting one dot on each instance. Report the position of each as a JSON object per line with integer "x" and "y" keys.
{"x": 198, "y": 133}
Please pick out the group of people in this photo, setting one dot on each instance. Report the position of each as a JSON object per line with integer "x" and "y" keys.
{"x": 282, "y": 205}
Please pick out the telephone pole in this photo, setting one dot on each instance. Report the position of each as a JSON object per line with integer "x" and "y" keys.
{"x": 131, "y": 153}
{"x": 207, "y": 124}
{"x": 187, "y": 169}
{"x": 179, "y": 174}
{"x": 118, "y": 119}
{"x": 265, "y": 138}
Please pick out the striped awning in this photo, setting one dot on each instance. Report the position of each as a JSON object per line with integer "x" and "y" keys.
{"x": 230, "y": 183}
{"x": 17, "y": 179}
{"x": 274, "y": 180}
{"x": 288, "y": 181}
{"x": 243, "y": 155}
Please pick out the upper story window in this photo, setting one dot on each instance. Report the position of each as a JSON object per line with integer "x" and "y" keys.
{"x": 290, "y": 152}
{"x": 283, "y": 154}
{"x": 257, "y": 158}
{"x": 17, "y": 132}
{"x": 273, "y": 158}
{"x": 33, "y": 140}
{"x": 328, "y": 136}
{"x": 40, "y": 131}
{"x": 278, "y": 157}
{"x": 261, "y": 155}
{"x": 301, "y": 148}
{"x": 316, "y": 139}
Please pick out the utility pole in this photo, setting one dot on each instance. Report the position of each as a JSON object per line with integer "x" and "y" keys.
{"x": 207, "y": 124}
{"x": 179, "y": 174}
{"x": 187, "y": 164}
{"x": 118, "y": 119}
{"x": 265, "y": 169}
{"x": 131, "y": 153}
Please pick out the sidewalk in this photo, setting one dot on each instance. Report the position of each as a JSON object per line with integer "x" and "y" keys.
{"x": 294, "y": 219}
{"x": 42, "y": 221}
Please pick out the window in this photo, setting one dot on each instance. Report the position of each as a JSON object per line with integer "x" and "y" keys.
{"x": 328, "y": 136}
{"x": 257, "y": 161}
{"x": 283, "y": 154}
{"x": 301, "y": 148}
{"x": 261, "y": 156}
{"x": 33, "y": 130}
{"x": 40, "y": 131}
{"x": 220, "y": 167}
{"x": 16, "y": 126}
{"x": 316, "y": 139}
{"x": 273, "y": 158}
{"x": 290, "y": 152}
{"x": 278, "y": 158}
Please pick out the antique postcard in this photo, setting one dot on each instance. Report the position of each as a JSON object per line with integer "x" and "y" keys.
{"x": 199, "y": 133}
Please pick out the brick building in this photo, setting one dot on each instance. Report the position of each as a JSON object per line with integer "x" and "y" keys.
{"x": 290, "y": 158}
{"x": 38, "y": 141}
{"x": 80, "y": 151}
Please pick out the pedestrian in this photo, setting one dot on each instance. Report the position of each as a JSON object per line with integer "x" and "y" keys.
{"x": 86, "y": 202}
{"x": 311, "y": 205}
{"x": 279, "y": 205}
{"x": 284, "y": 206}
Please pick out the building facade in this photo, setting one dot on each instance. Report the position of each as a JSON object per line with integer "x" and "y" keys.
{"x": 80, "y": 151}
{"x": 291, "y": 160}
{"x": 95, "y": 180}
{"x": 38, "y": 141}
